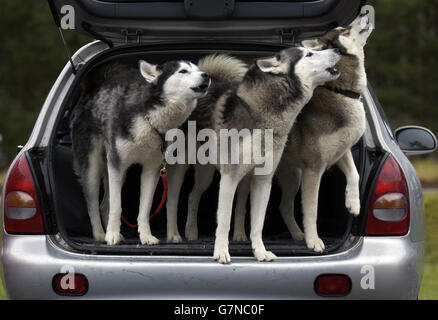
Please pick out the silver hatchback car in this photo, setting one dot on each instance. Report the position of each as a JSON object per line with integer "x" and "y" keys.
{"x": 48, "y": 251}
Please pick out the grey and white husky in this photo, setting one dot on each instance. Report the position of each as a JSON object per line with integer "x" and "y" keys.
{"x": 123, "y": 121}
{"x": 270, "y": 96}
{"x": 332, "y": 122}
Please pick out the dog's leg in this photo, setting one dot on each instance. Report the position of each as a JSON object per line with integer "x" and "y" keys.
{"x": 310, "y": 191}
{"x": 104, "y": 205}
{"x": 149, "y": 180}
{"x": 115, "y": 183}
{"x": 260, "y": 192}
{"x": 203, "y": 177}
{"x": 175, "y": 179}
{"x": 289, "y": 180}
{"x": 352, "y": 194}
{"x": 227, "y": 189}
{"x": 240, "y": 210}
{"x": 91, "y": 191}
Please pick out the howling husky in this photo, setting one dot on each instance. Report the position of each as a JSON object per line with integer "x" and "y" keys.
{"x": 269, "y": 97}
{"x": 123, "y": 121}
{"x": 332, "y": 122}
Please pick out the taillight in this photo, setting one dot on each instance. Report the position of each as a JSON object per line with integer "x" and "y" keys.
{"x": 62, "y": 286}
{"x": 22, "y": 213}
{"x": 388, "y": 212}
{"x": 333, "y": 285}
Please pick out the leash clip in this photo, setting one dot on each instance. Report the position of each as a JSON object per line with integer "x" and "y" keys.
{"x": 163, "y": 169}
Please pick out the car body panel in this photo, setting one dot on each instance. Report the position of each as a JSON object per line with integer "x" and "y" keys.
{"x": 396, "y": 262}
{"x": 30, "y": 262}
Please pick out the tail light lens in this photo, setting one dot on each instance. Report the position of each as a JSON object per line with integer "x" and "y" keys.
{"x": 334, "y": 285}
{"x": 79, "y": 287}
{"x": 388, "y": 212}
{"x": 22, "y": 213}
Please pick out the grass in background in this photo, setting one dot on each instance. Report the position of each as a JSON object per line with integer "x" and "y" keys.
{"x": 2, "y": 176}
{"x": 427, "y": 170}
{"x": 2, "y": 291}
{"x": 429, "y": 287}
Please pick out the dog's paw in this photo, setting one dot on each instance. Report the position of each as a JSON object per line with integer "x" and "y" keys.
{"x": 99, "y": 235}
{"x": 263, "y": 255}
{"x": 174, "y": 238}
{"x": 240, "y": 236}
{"x": 315, "y": 244}
{"x": 222, "y": 256}
{"x": 353, "y": 205}
{"x": 148, "y": 239}
{"x": 191, "y": 233}
{"x": 113, "y": 238}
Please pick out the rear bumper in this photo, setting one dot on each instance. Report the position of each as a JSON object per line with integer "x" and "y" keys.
{"x": 30, "y": 262}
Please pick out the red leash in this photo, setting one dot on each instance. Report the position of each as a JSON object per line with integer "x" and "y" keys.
{"x": 163, "y": 173}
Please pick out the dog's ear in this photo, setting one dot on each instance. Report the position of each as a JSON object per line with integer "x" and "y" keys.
{"x": 268, "y": 64}
{"x": 149, "y": 71}
{"x": 314, "y": 44}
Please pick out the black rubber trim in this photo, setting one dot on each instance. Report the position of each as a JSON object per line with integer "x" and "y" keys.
{"x": 369, "y": 189}
{"x": 204, "y": 247}
{"x": 34, "y": 159}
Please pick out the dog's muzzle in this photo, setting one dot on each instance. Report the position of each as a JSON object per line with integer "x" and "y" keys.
{"x": 204, "y": 85}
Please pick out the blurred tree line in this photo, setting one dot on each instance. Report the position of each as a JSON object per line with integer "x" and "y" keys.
{"x": 31, "y": 58}
{"x": 402, "y": 63}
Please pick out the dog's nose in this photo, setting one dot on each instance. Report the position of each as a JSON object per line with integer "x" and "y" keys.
{"x": 337, "y": 50}
{"x": 205, "y": 75}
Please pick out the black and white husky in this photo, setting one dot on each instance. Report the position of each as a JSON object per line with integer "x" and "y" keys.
{"x": 123, "y": 121}
{"x": 270, "y": 96}
{"x": 332, "y": 122}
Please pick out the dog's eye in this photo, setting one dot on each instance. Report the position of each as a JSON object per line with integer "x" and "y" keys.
{"x": 278, "y": 57}
{"x": 309, "y": 55}
{"x": 183, "y": 71}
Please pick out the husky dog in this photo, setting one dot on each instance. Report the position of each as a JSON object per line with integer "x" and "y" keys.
{"x": 226, "y": 69}
{"x": 270, "y": 96}
{"x": 122, "y": 122}
{"x": 323, "y": 135}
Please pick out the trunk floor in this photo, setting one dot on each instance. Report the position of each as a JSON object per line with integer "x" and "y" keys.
{"x": 279, "y": 245}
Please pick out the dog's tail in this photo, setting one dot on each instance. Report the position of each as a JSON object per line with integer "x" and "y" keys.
{"x": 223, "y": 68}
